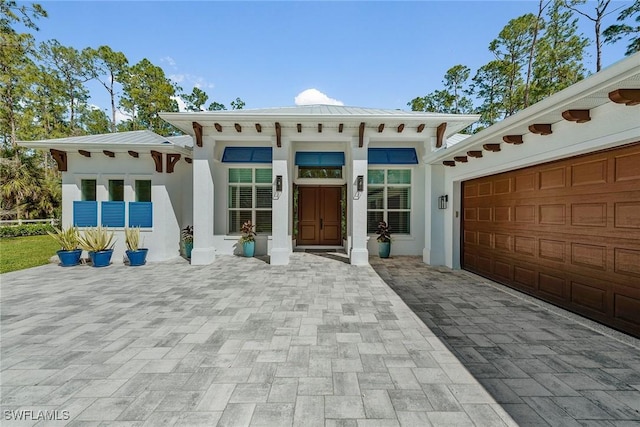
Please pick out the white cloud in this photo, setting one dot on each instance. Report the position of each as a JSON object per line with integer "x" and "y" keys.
{"x": 169, "y": 60}
{"x": 314, "y": 96}
{"x": 178, "y": 78}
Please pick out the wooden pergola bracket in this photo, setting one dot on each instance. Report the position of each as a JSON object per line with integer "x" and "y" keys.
{"x": 172, "y": 159}
{"x": 278, "y": 135}
{"x": 109, "y": 153}
{"x": 421, "y": 128}
{"x": 134, "y": 154}
{"x": 513, "y": 139}
{"x": 461, "y": 159}
{"x": 258, "y": 127}
{"x": 381, "y": 128}
{"x": 188, "y": 160}
{"x": 299, "y": 126}
{"x": 218, "y": 127}
{"x": 157, "y": 158}
{"x": 494, "y": 148}
{"x": 61, "y": 159}
{"x": 578, "y": 116}
{"x": 475, "y": 153}
{"x": 442, "y": 127}
{"x": 401, "y": 128}
{"x": 450, "y": 163}
{"x": 340, "y": 127}
{"x": 197, "y": 131}
{"x": 541, "y": 128}
{"x": 361, "y": 135}
{"x": 84, "y": 153}
{"x": 319, "y": 127}
{"x": 625, "y": 96}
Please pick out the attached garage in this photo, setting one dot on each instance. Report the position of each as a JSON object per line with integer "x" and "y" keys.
{"x": 567, "y": 232}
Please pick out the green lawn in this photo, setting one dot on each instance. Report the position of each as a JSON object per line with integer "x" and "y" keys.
{"x": 17, "y": 253}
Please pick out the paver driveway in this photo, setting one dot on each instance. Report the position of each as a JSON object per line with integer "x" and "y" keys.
{"x": 544, "y": 365}
{"x": 240, "y": 342}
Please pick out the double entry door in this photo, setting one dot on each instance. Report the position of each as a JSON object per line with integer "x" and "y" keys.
{"x": 319, "y": 216}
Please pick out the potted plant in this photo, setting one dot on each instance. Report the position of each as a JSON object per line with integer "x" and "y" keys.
{"x": 135, "y": 254}
{"x": 248, "y": 240}
{"x": 187, "y": 240}
{"x": 99, "y": 243}
{"x": 69, "y": 254}
{"x": 384, "y": 240}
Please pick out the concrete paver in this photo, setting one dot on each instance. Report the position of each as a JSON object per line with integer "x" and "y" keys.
{"x": 240, "y": 342}
{"x": 543, "y": 365}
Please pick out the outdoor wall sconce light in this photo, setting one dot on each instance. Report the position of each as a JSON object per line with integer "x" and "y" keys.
{"x": 278, "y": 183}
{"x": 443, "y": 201}
{"x": 360, "y": 183}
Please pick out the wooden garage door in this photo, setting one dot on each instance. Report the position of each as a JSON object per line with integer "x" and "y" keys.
{"x": 567, "y": 232}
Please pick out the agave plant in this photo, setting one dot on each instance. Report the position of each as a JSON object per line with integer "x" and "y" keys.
{"x": 132, "y": 238}
{"x": 67, "y": 239}
{"x": 96, "y": 239}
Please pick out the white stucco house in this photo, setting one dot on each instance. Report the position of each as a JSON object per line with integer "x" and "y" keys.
{"x": 546, "y": 201}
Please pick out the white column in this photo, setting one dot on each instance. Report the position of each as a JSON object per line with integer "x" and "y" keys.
{"x": 203, "y": 249}
{"x": 281, "y": 240}
{"x": 359, "y": 254}
{"x": 434, "y": 250}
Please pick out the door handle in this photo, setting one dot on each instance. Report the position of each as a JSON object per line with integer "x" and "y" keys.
{"x": 321, "y": 224}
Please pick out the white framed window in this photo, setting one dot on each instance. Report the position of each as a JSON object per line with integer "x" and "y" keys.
{"x": 389, "y": 199}
{"x": 250, "y": 197}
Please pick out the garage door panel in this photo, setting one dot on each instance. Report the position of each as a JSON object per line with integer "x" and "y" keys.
{"x": 627, "y": 214}
{"x": 567, "y": 232}
{"x": 626, "y": 167}
{"x": 589, "y": 173}
{"x": 552, "y": 178}
{"x": 589, "y": 297}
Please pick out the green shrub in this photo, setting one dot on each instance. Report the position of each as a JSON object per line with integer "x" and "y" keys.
{"x": 26, "y": 230}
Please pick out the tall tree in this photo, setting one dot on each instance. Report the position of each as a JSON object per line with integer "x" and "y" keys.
{"x": 537, "y": 27}
{"x": 147, "y": 92}
{"x": 237, "y": 104}
{"x": 216, "y": 106}
{"x": 596, "y": 16}
{"x": 512, "y": 46}
{"x": 489, "y": 87}
{"x": 109, "y": 68}
{"x": 73, "y": 69}
{"x": 11, "y": 13}
{"x": 559, "y": 57}
{"x": 195, "y": 100}
{"x": 617, "y": 31}
{"x": 452, "y": 99}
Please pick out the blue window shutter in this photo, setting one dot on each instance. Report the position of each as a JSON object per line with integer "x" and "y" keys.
{"x": 85, "y": 214}
{"x": 247, "y": 155}
{"x": 113, "y": 214}
{"x": 141, "y": 214}
{"x": 319, "y": 158}
{"x": 392, "y": 156}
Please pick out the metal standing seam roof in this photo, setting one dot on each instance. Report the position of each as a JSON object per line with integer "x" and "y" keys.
{"x": 138, "y": 137}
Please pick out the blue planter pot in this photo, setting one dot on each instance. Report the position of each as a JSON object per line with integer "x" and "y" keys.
{"x": 101, "y": 258}
{"x": 69, "y": 258}
{"x": 188, "y": 247}
{"x": 249, "y": 248}
{"x": 138, "y": 257}
{"x": 384, "y": 249}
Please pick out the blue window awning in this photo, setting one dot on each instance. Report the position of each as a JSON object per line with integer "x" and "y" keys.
{"x": 247, "y": 155}
{"x": 393, "y": 156}
{"x": 319, "y": 158}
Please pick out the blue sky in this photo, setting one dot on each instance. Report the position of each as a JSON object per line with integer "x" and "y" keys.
{"x": 368, "y": 54}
